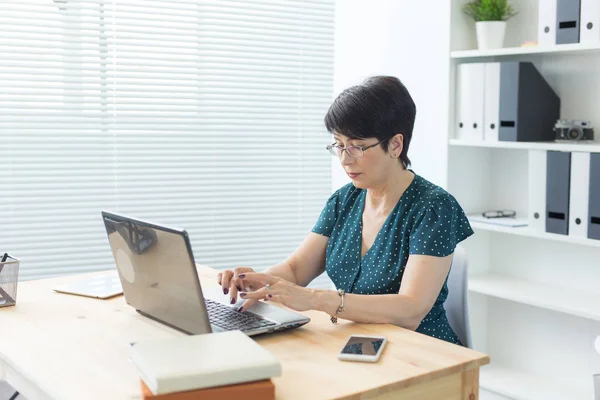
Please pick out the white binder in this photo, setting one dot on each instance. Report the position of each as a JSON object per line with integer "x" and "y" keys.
{"x": 471, "y": 79}
{"x": 579, "y": 194}
{"x": 491, "y": 102}
{"x": 589, "y": 21}
{"x": 537, "y": 190}
{"x": 547, "y": 22}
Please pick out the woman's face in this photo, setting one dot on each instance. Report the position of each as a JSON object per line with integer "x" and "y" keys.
{"x": 375, "y": 165}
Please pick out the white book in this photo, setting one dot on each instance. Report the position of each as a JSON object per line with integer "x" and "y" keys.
{"x": 201, "y": 361}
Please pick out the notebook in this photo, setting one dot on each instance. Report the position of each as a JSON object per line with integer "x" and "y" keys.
{"x": 200, "y": 361}
{"x": 102, "y": 286}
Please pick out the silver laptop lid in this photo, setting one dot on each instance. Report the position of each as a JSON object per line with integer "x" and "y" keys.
{"x": 157, "y": 271}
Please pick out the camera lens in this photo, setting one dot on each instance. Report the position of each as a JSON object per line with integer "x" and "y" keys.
{"x": 574, "y": 134}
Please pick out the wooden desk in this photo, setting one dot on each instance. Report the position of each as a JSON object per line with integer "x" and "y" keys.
{"x": 62, "y": 347}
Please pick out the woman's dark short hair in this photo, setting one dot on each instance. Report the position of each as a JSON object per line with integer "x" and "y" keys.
{"x": 380, "y": 107}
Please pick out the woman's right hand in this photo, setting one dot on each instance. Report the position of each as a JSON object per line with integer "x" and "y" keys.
{"x": 231, "y": 283}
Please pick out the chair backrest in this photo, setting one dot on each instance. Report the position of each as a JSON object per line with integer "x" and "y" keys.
{"x": 456, "y": 305}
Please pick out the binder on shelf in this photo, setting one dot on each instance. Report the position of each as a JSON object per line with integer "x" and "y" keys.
{"x": 558, "y": 174}
{"x": 491, "y": 102}
{"x": 528, "y": 106}
{"x": 594, "y": 201}
{"x": 589, "y": 30}
{"x": 567, "y": 21}
{"x": 537, "y": 190}
{"x": 579, "y": 194}
{"x": 547, "y": 22}
{"x": 471, "y": 79}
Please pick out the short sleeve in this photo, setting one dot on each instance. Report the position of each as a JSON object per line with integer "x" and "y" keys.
{"x": 438, "y": 230}
{"x": 326, "y": 222}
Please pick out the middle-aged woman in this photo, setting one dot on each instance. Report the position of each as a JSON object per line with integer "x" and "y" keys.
{"x": 386, "y": 239}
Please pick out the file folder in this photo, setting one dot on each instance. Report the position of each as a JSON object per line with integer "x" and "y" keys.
{"x": 594, "y": 208}
{"x": 589, "y": 31}
{"x": 471, "y": 79}
{"x": 579, "y": 194}
{"x": 547, "y": 22}
{"x": 537, "y": 190}
{"x": 528, "y": 106}
{"x": 558, "y": 175}
{"x": 567, "y": 21}
{"x": 491, "y": 102}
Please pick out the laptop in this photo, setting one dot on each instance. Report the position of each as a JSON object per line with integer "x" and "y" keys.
{"x": 158, "y": 275}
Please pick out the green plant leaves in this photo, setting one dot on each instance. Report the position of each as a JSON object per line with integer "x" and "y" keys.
{"x": 489, "y": 10}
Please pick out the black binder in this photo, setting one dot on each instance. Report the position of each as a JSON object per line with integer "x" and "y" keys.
{"x": 558, "y": 175}
{"x": 594, "y": 199}
{"x": 567, "y": 21}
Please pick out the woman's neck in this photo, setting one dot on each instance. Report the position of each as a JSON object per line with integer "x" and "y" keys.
{"x": 382, "y": 199}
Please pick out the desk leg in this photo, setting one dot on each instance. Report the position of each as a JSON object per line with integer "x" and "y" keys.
{"x": 458, "y": 386}
{"x": 470, "y": 384}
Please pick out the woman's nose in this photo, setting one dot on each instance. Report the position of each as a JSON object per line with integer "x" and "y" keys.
{"x": 345, "y": 158}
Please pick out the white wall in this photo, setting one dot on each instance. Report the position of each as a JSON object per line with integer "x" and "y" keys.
{"x": 407, "y": 39}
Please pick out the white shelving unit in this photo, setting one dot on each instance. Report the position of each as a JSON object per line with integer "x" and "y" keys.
{"x": 534, "y": 296}
{"x": 554, "y": 298}
{"x": 520, "y": 385}
{"x": 575, "y": 48}
{"x": 591, "y": 147}
{"x": 531, "y": 233}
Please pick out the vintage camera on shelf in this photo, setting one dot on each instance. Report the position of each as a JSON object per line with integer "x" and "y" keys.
{"x": 573, "y": 130}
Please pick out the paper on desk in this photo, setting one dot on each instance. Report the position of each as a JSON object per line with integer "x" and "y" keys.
{"x": 503, "y": 221}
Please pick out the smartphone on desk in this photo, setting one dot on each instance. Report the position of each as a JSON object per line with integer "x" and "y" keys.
{"x": 363, "y": 348}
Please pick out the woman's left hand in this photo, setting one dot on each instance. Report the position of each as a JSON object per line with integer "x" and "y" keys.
{"x": 277, "y": 289}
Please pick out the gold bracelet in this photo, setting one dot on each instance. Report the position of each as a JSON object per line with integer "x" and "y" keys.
{"x": 341, "y": 308}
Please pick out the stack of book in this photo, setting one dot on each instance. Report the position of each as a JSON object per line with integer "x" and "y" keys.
{"x": 205, "y": 367}
{"x": 259, "y": 390}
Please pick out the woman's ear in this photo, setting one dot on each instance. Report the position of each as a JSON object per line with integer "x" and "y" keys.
{"x": 396, "y": 145}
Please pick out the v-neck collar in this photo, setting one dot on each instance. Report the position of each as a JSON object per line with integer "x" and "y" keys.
{"x": 363, "y": 201}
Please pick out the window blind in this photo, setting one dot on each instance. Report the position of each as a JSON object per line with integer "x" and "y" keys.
{"x": 205, "y": 115}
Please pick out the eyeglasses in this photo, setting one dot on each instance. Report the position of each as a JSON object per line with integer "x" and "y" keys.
{"x": 499, "y": 214}
{"x": 353, "y": 151}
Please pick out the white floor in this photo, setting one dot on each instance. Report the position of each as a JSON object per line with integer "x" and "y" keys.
{"x": 485, "y": 395}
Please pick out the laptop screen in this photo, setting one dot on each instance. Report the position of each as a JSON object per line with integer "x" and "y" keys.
{"x": 157, "y": 272}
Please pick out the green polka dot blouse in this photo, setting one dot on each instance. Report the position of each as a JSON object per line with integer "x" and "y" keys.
{"x": 426, "y": 220}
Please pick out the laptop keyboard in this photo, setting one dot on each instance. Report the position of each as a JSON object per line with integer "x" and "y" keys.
{"x": 227, "y": 318}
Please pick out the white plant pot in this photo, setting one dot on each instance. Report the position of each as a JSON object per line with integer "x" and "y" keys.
{"x": 490, "y": 34}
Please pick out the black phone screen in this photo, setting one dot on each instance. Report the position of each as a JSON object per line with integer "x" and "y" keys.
{"x": 362, "y": 345}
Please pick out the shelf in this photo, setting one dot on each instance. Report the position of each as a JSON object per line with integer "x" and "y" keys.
{"x": 528, "y": 50}
{"x": 592, "y": 147}
{"x": 523, "y": 386}
{"x": 532, "y": 233}
{"x": 554, "y": 298}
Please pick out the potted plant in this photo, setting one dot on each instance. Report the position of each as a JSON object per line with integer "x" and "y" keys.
{"x": 490, "y": 21}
